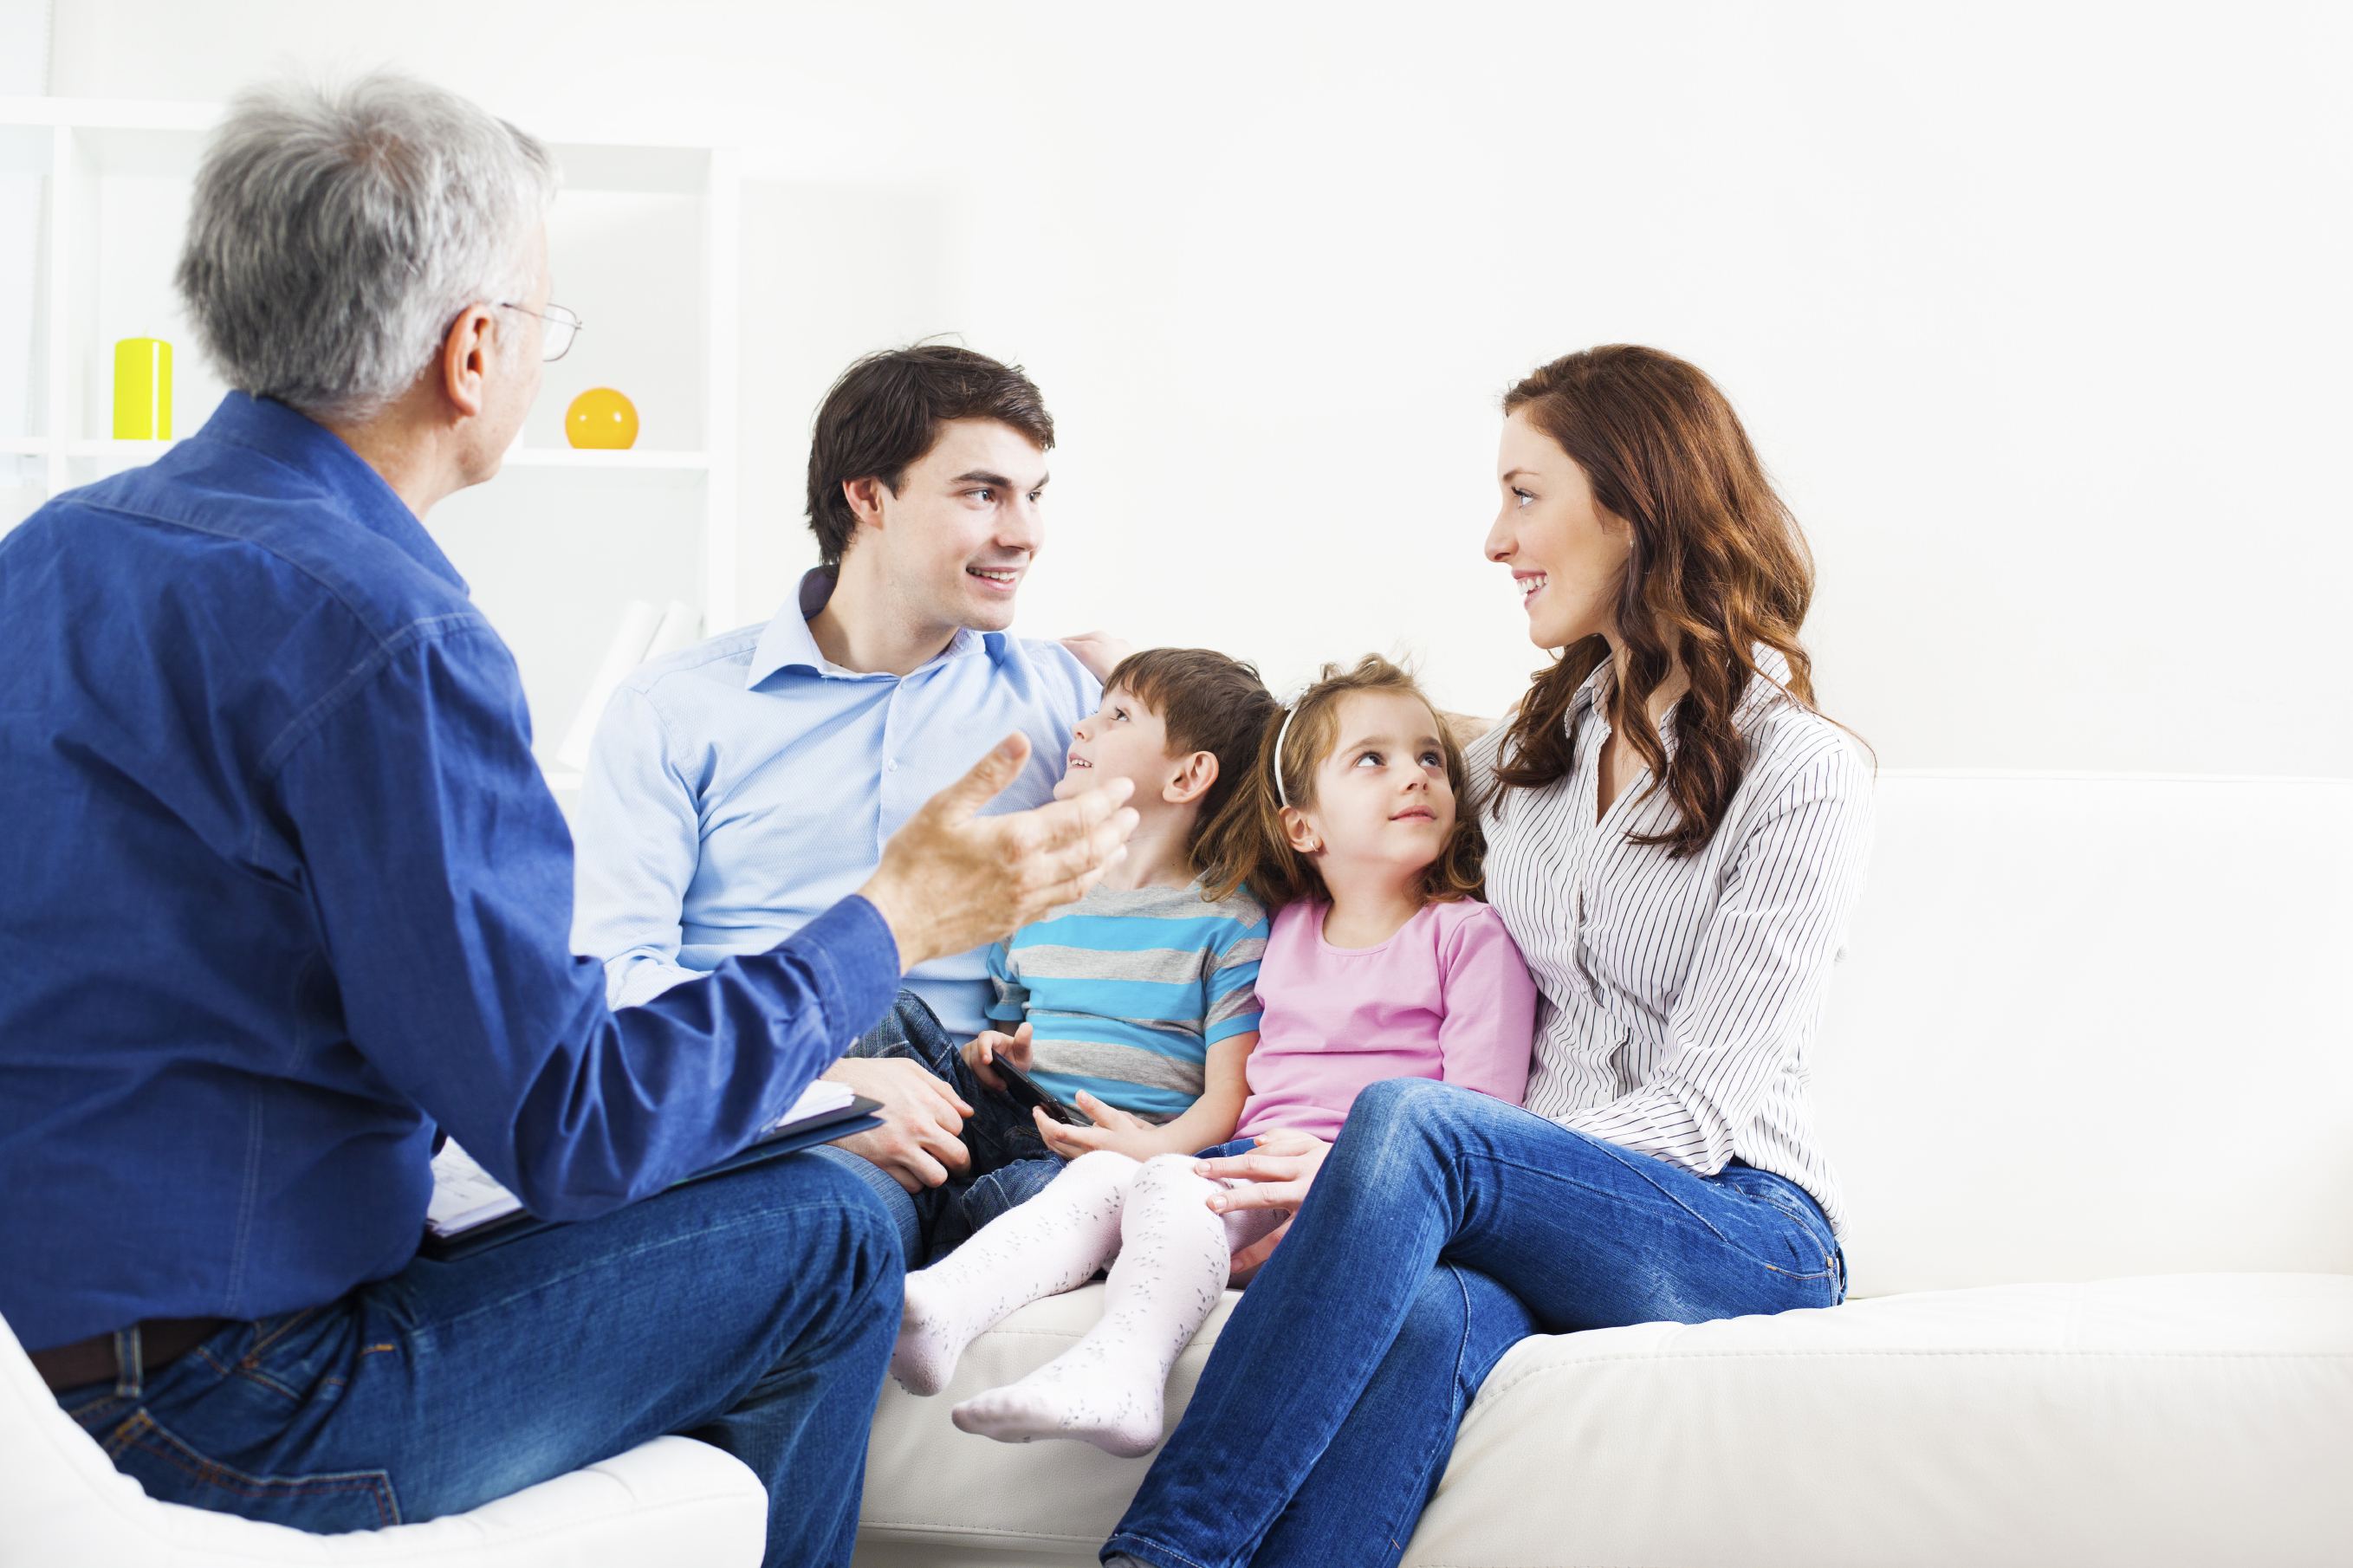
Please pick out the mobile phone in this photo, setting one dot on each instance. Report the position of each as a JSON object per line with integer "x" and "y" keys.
{"x": 1019, "y": 1085}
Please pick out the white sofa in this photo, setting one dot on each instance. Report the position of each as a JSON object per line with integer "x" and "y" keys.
{"x": 2087, "y": 1075}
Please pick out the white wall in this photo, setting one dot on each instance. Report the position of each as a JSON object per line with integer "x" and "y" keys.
{"x": 2039, "y": 313}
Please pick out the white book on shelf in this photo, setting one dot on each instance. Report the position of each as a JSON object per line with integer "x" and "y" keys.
{"x": 680, "y": 628}
{"x": 639, "y": 623}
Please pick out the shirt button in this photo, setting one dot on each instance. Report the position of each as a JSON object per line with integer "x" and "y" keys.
{"x": 893, "y": 766}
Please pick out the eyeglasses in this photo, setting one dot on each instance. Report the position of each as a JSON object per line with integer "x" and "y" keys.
{"x": 558, "y": 327}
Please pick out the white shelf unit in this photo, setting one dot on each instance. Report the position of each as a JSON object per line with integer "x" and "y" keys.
{"x": 645, "y": 245}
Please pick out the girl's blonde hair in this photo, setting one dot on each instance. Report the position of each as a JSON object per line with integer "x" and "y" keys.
{"x": 1246, "y": 846}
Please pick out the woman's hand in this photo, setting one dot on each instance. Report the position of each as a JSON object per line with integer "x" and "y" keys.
{"x": 1114, "y": 1128}
{"x": 989, "y": 1046}
{"x": 1280, "y": 1171}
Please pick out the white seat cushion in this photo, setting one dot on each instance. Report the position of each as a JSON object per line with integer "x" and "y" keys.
{"x": 933, "y": 1487}
{"x": 63, "y": 1503}
{"x": 2181, "y": 1419}
{"x": 2195, "y": 1419}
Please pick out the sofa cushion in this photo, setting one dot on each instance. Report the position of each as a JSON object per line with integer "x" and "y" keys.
{"x": 2189, "y": 1419}
{"x": 932, "y": 1488}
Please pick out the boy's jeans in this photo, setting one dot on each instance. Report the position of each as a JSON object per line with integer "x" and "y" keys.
{"x": 1010, "y": 1164}
{"x": 753, "y": 1311}
{"x": 1443, "y": 1229}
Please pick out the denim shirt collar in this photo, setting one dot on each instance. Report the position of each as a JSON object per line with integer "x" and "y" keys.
{"x": 296, "y": 441}
{"x": 787, "y": 642}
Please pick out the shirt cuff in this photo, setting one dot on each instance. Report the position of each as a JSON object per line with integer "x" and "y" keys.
{"x": 850, "y": 950}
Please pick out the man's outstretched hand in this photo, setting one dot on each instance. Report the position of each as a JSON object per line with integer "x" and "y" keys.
{"x": 951, "y": 878}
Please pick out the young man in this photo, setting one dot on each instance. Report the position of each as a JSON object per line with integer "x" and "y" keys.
{"x": 739, "y": 788}
{"x": 286, "y": 897}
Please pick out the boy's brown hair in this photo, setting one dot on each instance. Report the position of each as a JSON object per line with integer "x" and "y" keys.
{"x": 1207, "y": 702}
{"x": 1248, "y": 847}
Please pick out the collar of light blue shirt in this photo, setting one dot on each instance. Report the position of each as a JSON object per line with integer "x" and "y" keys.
{"x": 786, "y": 643}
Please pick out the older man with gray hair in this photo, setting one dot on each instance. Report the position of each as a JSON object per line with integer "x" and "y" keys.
{"x": 287, "y": 899}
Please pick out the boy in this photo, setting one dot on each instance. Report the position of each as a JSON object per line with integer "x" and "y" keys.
{"x": 1136, "y": 1003}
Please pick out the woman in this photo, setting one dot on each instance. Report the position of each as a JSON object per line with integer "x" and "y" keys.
{"x": 1675, "y": 840}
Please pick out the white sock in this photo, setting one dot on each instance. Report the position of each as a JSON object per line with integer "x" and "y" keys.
{"x": 1053, "y": 1243}
{"x": 1107, "y": 1389}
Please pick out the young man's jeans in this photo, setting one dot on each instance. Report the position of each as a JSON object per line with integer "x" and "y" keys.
{"x": 753, "y": 1311}
{"x": 1444, "y": 1227}
{"x": 1010, "y": 1164}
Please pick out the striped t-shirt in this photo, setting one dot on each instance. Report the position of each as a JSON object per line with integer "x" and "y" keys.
{"x": 1125, "y": 991}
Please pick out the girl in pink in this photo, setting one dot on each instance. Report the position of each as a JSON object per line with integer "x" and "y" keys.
{"x": 1381, "y": 963}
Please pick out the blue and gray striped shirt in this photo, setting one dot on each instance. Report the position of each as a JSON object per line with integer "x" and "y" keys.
{"x": 1125, "y": 991}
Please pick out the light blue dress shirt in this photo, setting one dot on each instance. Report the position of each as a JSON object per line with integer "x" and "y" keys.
{"x": 740, "y": 788}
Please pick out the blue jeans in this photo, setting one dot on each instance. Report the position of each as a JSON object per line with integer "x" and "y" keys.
{"x": 753, "y": 1311}
{"x": 1444, "y": 1227}
{"x": 1010, "y": 1164}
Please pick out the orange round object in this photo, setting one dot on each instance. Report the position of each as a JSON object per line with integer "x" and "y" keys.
{"x": 601, "y": 417}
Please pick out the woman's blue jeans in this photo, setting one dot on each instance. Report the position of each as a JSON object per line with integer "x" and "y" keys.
{"x": 1444, "y": 1227}
{"x": 753, "y": 1311}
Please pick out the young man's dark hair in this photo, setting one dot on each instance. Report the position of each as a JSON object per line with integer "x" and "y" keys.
{"x": 885, "y": 413}
{"x": 1208, "y": 702}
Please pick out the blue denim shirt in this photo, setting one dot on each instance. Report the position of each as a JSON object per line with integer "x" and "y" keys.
{"x": 281, "y": 889}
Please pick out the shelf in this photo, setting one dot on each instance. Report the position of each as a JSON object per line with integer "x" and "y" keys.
{"x": 650, "y": 239}
{"x": 592, "y": 461}
{"x": 135, "y": 451}
{"x": 572, "y": 457}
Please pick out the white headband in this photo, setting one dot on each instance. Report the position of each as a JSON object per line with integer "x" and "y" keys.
{"x": 1289, "y": 711}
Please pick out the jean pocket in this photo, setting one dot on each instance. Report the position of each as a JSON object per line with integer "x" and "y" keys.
{"x": 1810, "y": 1239}
{"x": 175, "y": 1471}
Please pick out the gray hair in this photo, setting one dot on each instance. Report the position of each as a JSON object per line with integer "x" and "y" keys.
{"x": 336, "y": 232}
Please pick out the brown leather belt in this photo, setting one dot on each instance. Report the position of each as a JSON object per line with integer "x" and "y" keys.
{"x": 162, "y": 1341}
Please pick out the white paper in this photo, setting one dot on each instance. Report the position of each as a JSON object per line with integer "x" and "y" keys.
{"x": 467, "y": 1197}
{"x": 681, "y": 627}
{"x": 639, "y": 622}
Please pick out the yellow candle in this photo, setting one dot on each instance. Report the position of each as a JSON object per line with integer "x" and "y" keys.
{"x": 143, "y": 390}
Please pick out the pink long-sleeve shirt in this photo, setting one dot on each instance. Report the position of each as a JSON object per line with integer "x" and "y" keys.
{"x": 1447, "y": 998}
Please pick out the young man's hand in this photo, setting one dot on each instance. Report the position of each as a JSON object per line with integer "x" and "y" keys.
{"x": 917, "y": 1143}
{"x": 1114, "y": 1128}
{"x": 952, "y": 878}
{"x": 1099, "y": 651}
{"x": 989, "y": 1046}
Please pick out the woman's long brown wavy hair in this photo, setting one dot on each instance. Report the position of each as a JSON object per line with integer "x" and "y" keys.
{"x": 1718, "y": 567}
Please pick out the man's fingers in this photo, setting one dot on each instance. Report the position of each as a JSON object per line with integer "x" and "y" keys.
{"x": 986, "y": 780}
{"x": 948, "y": 1152}
{"x": 1083, "y": 816}
{"x": 1057, "y": 877}
{"x": 987, "y": 1076}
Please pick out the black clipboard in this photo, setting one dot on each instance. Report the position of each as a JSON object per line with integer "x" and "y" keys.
{"x": 858, "y": 1116}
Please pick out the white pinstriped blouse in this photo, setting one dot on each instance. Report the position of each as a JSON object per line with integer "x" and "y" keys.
{"x": 1678, "y": 998}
